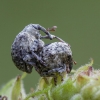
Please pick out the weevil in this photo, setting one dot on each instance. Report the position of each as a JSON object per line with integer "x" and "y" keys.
{"x": 27, "y": 45}
{"x": 58, "y": 57}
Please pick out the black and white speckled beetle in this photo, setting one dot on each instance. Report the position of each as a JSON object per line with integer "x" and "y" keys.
{"x": 27, "y": 45}
{"x": 58, "y": 57}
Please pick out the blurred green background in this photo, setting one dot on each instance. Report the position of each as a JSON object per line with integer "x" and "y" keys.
{"x": 78, "y": 23}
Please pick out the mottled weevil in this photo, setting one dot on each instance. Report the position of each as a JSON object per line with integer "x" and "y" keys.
{"x": 58, "y": 57}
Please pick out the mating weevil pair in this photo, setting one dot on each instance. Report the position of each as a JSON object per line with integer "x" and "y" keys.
{"x": 29, "y": 50}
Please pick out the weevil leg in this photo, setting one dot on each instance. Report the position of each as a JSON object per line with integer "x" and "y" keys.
{"x": 57, "y": 70}
{"x": 48, "y": 35}
{"x": 60, "y": 39}
{"x": 31, "y": 63}
{"x": 45, "y": 37}
{"x": 52, "y": 73}
{"x": 70, "y": 63}
{"x": 39, "y": 27}
{"x": 46, "y": 74}
{"x": 53, "y": 37}
{"x": 63, "y": 69}
{"x": 29, "y": 57}
{"x": 38, "y": 59}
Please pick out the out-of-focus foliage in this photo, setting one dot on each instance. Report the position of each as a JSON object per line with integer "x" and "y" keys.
{"x": 81, "y": 84}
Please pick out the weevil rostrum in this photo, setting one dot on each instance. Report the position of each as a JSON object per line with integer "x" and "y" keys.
{"x": 28, "y": 50}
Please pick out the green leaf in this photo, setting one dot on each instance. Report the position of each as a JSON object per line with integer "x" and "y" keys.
{"x": 7, "y": 88}
{"x": 18, "y": 91}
